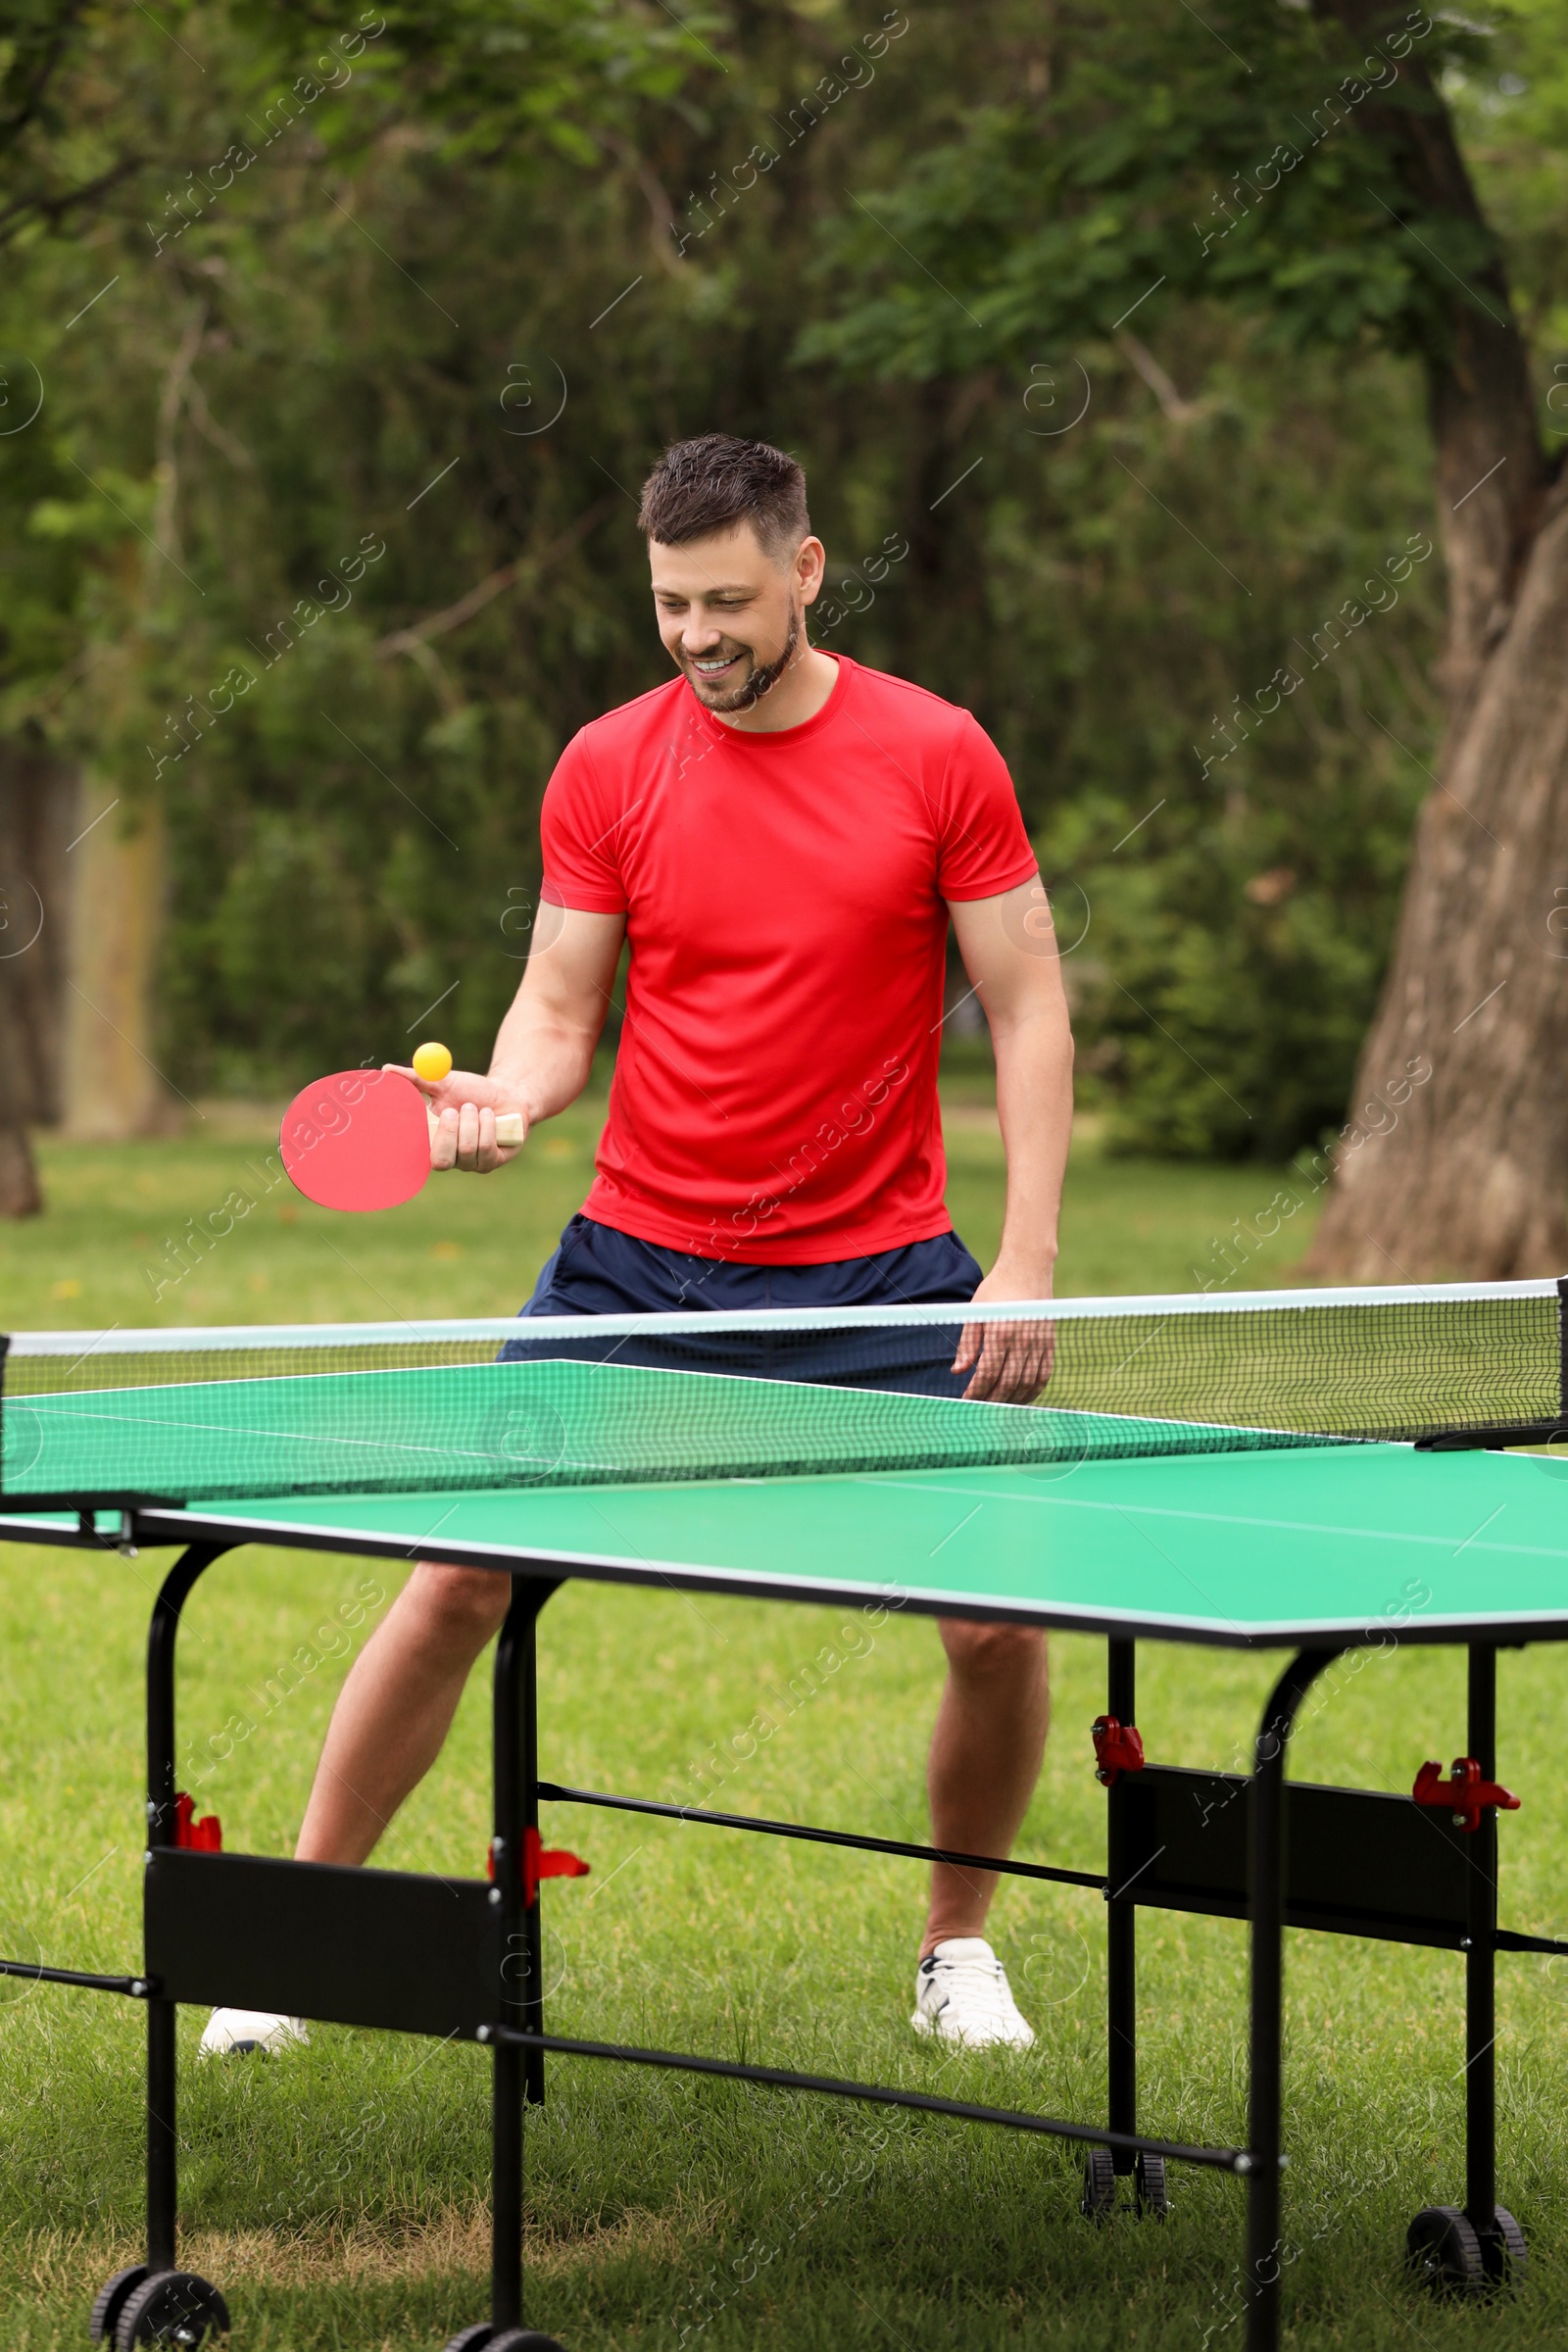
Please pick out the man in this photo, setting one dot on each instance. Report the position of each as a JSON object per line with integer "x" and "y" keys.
{"x": 783, "y": 836}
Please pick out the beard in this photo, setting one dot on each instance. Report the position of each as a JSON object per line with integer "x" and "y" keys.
{"x": 760, "y": 678}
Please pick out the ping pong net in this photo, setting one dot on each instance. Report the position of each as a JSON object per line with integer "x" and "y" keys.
{"x": 142, "y": 1417}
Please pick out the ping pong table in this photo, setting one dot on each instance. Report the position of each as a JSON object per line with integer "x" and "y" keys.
{"x": 1309, "y": 1546}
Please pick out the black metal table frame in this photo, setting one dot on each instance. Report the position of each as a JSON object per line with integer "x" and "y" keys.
{"x": 312, "y": 1940}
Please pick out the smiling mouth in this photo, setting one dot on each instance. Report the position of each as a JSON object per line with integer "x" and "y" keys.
{"x": 713, "y": 667}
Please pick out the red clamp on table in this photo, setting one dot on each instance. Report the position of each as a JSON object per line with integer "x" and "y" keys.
{"x": 1467, "y": 1795}
{"x": 541, "y": 1861}
{"x": 204, "y": 1836}
{"x": 1118, "y": 1748}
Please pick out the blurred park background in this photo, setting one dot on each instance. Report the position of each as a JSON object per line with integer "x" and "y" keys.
{"x": 335, "y": 347}
{"x": 1183, "y": 390}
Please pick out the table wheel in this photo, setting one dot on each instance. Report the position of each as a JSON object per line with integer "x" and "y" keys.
{"x": 1100, "y": 2185}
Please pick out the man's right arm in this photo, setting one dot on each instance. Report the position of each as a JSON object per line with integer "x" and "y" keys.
{"x": 545, "y": 1045}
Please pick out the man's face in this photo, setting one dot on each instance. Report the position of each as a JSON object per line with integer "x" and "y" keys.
{"x": 731, "y": 616}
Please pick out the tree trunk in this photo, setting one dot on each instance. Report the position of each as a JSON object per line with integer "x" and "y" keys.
{"x": 1456, "y": 1157}
{"x": 113, "y": 1086}
{"x": 1461, "y": 1097}
{"x": 37, "y": 802}
{"x": 20, "y": 1195}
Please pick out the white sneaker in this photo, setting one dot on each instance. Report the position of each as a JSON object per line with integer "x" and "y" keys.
{"x": 233, "y": 2031}
{"x": 962, "y": 1995}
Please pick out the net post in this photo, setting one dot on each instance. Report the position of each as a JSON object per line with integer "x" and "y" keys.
{"x": 1563, "y": 1355}
{"x": 163, "y": 1634}
{"x": 1121, "y": 1920}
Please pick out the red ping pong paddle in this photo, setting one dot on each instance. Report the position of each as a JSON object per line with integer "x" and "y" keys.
{"x": 361, "y": 1139}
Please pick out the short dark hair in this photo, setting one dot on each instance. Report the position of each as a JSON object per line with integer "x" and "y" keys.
{"x": 711, "y": 484}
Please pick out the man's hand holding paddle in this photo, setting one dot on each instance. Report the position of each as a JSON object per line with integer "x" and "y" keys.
{"x": 368, "y": 1140}
{"x": 467, "y": 1108}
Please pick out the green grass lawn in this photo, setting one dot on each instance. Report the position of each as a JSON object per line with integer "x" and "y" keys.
{"x": 339, "y": 2198}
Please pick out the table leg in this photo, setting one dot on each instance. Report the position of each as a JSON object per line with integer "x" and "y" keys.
{"x": 163, "y": 2188}
{"x": 1267, "y": 1906}
{"x": 162, "y": 1636}
{"x": 533, "y": 1988}
{"x": 506, "y": 2188}
{"x": 1469, "y": 2251}
{"x": 518, "y": 2075}
{"x": 1480, "y": 1965}
{"x": 1121, "y": 1922}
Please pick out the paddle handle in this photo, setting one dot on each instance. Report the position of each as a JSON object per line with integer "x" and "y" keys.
{"x": 508, "y": 1125}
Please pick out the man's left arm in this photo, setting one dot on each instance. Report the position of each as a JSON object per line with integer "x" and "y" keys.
{"x": 1008, "y": 946}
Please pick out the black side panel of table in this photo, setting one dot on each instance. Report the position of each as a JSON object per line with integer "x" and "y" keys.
{"x": 1357, "y": 1863}
{"x": 358, "y": 1947}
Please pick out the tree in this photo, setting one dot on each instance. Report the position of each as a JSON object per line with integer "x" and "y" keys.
{"x": 1305, "y": 167}
{"x": 286, "y": 375}
{"x": 104, "y": 120}
{"x": 1473, "y": 1176}
{"x": 307, "y": 923}
{"x": 65, "y": 140}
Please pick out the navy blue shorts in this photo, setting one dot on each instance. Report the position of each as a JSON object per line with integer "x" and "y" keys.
{"x": 599, "y": 1271}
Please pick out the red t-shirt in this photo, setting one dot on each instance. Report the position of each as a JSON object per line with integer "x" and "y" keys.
{"x": 775, "y": 1092}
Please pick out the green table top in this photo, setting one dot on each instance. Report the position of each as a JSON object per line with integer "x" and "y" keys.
{"x": 1325, "y": 1542}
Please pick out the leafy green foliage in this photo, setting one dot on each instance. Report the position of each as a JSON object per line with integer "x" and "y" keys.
{"x": 1146, "y": 162}
{"x": 1511, "y": 103}
{"x": 409, "y": 319}
{"x": 516, "y": 83}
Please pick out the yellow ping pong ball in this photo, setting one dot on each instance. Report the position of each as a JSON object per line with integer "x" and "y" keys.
{"x": 431, "y": 1062}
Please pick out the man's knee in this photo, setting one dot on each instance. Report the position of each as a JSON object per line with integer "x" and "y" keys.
{"x": 458, "y": 1604}
{"x": 1001, "y": 1653}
